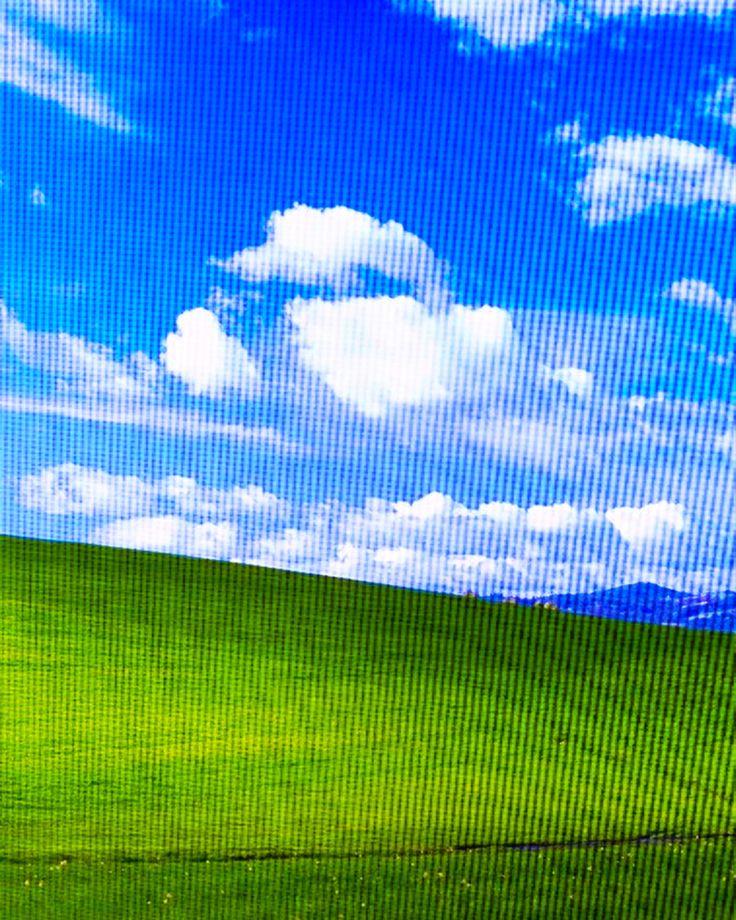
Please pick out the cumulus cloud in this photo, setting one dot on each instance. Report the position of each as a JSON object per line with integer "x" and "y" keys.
{"x": 73, "y": 489}
{"x": 76, "y": 364}
{"x": 437, "y": 543}
{"x": 431, "y": 542}
{"x": 432, "y": 505}
{"x": 206, "y": 359}
{"x": 383, "y": 352}
{"x": 33, "y": 67}
{"x": 504, "y": 23}
{"x": 189, "y": 497}
{"x": 577, "y": 381}
{"x": 649, "y": 525}
{"x": 551, "y": 518}
{"x": 290, "y": 548}
{"x": 326, "y": 246}
{"x": 632, "y": 175}
{"x": 170, "y": 534}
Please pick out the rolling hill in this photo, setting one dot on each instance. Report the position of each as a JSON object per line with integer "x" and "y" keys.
{"x": 160, "y": 707}
{"x": 645, "y": 602}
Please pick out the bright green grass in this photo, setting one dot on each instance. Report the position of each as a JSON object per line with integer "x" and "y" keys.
{"x": 154, "y": 705}
{"x": 696, "y": 881}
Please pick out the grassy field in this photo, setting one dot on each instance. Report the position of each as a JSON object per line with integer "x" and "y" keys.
{"x": 687, "y": 882}
{"x": 173, "y": 710}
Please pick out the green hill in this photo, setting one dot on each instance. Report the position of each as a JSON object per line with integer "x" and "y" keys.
{"x": 158, "y": 707}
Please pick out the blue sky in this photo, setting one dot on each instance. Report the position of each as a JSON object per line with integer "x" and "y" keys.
{"x": 439, "y": 294}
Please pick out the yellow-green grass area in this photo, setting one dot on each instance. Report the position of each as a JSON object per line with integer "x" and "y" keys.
{"x": 163, "y": 708}
{"x": 690, "y": 881}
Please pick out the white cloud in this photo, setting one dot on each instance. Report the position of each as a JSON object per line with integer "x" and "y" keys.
{"x": 551, "y": 518}
{"x": 722, "y": 104}
{"x": 170, "y": 534}
{"x": 516, "y": 23}
{"x": 548, "y": 443}
{"x": 73, "y": 489}
{"x": 38, "y": 197}
{"x": 402, "y": 555}
{"x": 314, "y": 246}
{"x": 71, "y": 15}
{"x": 189, "y": 497}
{"x": 432, "y": 505}
{"x": 431, "y": 542}
{"x": 701, "y": 294}
{"x": 504, "y": 23}
{"x": 578, "y": 382}
{"x": 505, "y": 513}
{"x": 507, "y": 576}
{"x": 726, "y": 444}
{"x": 447, "y": 546}
{"x": 206, "y": 359}
{"x": 697, "y": 293}
{"x": 288, "y": 548}
{"x": 34, "y": 68}
{"x": 75, "y": 364}
{"x": 651, "y": 524}
{"x": 155, "y": 418}
{"x": 610, "y": 8}
{"x": 631, "y": 175}
{"x": 383, "y": 352}
{"x": 434, "y": 521}
{"x": 569, "y": 133}
{"x": 373, "y": 353}
{"x": 640, "y": 403}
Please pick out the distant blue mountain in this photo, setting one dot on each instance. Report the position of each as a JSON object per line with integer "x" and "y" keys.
{"x": 650, "y": 603}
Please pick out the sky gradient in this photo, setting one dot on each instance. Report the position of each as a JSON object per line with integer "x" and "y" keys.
{"x": 438, "y": 294}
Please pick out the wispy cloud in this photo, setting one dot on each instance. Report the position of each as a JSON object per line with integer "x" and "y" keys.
{"x": 77, "y": 365}
{"x": 30, "y": 64}
{"x": 71, "y": 15}
{"x": 158, "y": 418}
{"x": 696, "y": 293}
{"x": 722, "y": 104}
{"x": 608, "y": 8}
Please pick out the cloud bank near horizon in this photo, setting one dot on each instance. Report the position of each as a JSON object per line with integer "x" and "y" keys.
{"x": 433, "y": 542}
